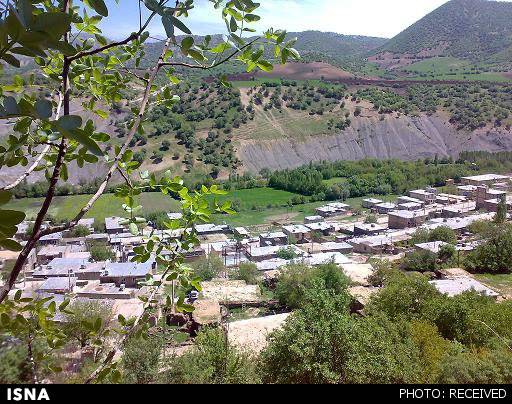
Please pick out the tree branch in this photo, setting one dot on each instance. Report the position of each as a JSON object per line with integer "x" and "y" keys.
{"x": 226, "y": 59}
{"x": 39, "y": 158}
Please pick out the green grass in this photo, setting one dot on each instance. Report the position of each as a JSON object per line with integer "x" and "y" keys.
{"x": 66, "y": 207}
{"x": 501, "y": 283}
{"x": 258, "y": 206}
{"x": 450, "y": 68}
{"x": 257, "y": 197}
{"x": 266, "y": 216}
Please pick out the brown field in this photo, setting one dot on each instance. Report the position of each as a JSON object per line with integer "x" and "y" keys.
{"x": 307, "y": 71}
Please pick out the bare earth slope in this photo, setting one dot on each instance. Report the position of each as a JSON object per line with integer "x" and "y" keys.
{"x": 403, "y": 137}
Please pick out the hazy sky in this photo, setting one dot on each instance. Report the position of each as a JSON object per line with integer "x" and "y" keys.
{"x": 384, "y": 18}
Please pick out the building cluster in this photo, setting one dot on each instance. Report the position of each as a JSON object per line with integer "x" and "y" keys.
{"x": 63, "y": 265}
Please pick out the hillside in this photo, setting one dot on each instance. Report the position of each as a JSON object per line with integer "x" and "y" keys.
{"x": 470, "y": 29}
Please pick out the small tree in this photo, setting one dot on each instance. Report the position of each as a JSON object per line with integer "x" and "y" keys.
{"x": 101, "y": 252}
{"x": 80, "y": 231}
{"x": 248, "y": 272}
{"x": 501, "y": 213}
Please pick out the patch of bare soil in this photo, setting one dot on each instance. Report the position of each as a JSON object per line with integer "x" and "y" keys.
{"x": 307, "y": 71}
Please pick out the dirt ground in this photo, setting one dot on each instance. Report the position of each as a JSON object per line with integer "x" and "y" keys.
{"x": 307, "y": 71}
{"x": 251, "y": 335}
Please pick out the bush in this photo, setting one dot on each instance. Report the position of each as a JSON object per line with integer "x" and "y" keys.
{"x": 494, "y": 255}
{"x": 209, "y": 267}
{"x": 101, "y": 252}
{"x": 80, "y": 231}
{"x": 420, "y": 261}
{"x": 296, "y": 279}
{"x": 212, "y": 361}
{"x": 248, "y": 272}
{"x": 141, "y": 358}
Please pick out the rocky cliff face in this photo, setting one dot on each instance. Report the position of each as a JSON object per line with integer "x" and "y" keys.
{"x": 406, "y": 138}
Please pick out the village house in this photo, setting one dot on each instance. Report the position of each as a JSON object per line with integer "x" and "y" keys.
{"x": 407, "y": 199}
{"x": 484, "y": 193}
{"x": 127, "y": 273}
{"x": 383, "y": 208}
{"x": 380, "y": 243}
{"x": 241, "y": 233}
{"x": 97, "y": 290}
{"x": 258, "y": 254}
{"x": 410, "y": 206}
{"x": 313, "y": 219}
{"x": 368, "y": 229}
{"x": 469, "y": 191}
{"x": 369, "y": 203}
{"x": 113, "y": 225}
{"x": 428, "y": 196}
{"x": 324, "y": 228}
{"x": 175, "y": 215}
{"x": 331, "y": 246}
{"x": 51, "y": 239}
{"x": 484, "y": 179}
{"x": 332, "y": 209}
{"x": 433, "y": 247}
{"x": 297, "y": 232}
{"x": 210, "y": 228}
{"x": 87, "y": 223}
{"x": 403, "y": 219}
{"x": 273, "y": 239}
{"x": 57, "y": 285}
{"x": 491, "y": 205}
{"x": 458, "y": 210}
{"x": 59, "y": 267}
{"x": 457, "y": 285}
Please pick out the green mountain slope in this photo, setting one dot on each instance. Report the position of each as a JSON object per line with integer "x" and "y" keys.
{"x": 473, "y": 29}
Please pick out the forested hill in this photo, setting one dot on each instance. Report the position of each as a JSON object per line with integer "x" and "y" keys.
{"x": 335, "y": 45}
{"x": 474, "y": 29}
{"x": 327, "y": 44}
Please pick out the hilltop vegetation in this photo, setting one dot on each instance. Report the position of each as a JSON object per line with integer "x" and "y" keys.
{"x": 471, "y": 29}
{"x": 470, "y": 106}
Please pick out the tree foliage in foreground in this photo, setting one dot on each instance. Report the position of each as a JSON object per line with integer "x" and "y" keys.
{"x": 83, "y": 68}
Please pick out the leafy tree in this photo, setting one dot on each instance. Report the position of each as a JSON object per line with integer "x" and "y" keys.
{"x": 287, "y": 253}
{"x": 80, "y": 231}
{"x": 322, "y": 343}
{"x": 101, "y": 252}
{"x": 420, "y": 261}
{"x": 141, "y": 359}
{"x": 296, "y": 279}
{"x": 494, "y": 255}
{"x": 46, "y": 130}
{"x": 76, "y": 325}
{"x": 501, "y": 213}
{"x": 248, "y": 272}
{"x": 209, "y": 267}
{"x": 212, "y": 361}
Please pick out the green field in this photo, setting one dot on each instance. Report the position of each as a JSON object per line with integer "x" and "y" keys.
{"x": 450, "y": 68}
{"x": 258, "y": 206}
{"x": 66, "y": 207}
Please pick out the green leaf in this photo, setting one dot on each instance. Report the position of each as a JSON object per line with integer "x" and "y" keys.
{"x": 11, "y": 217}
{"x": 81, "y": 137}
{"x": 10, "y": 245}
{"x": 180, "y": 25}
{"x": 134, "y": 229}
{"x": 5, "y": 196}
{"x": 98, "y": 6}
{"x": 43, "y": 109}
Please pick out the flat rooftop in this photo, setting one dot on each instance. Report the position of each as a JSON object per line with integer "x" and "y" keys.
{"x": 461, "y": 284}
{"x": 486, "y": 177}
